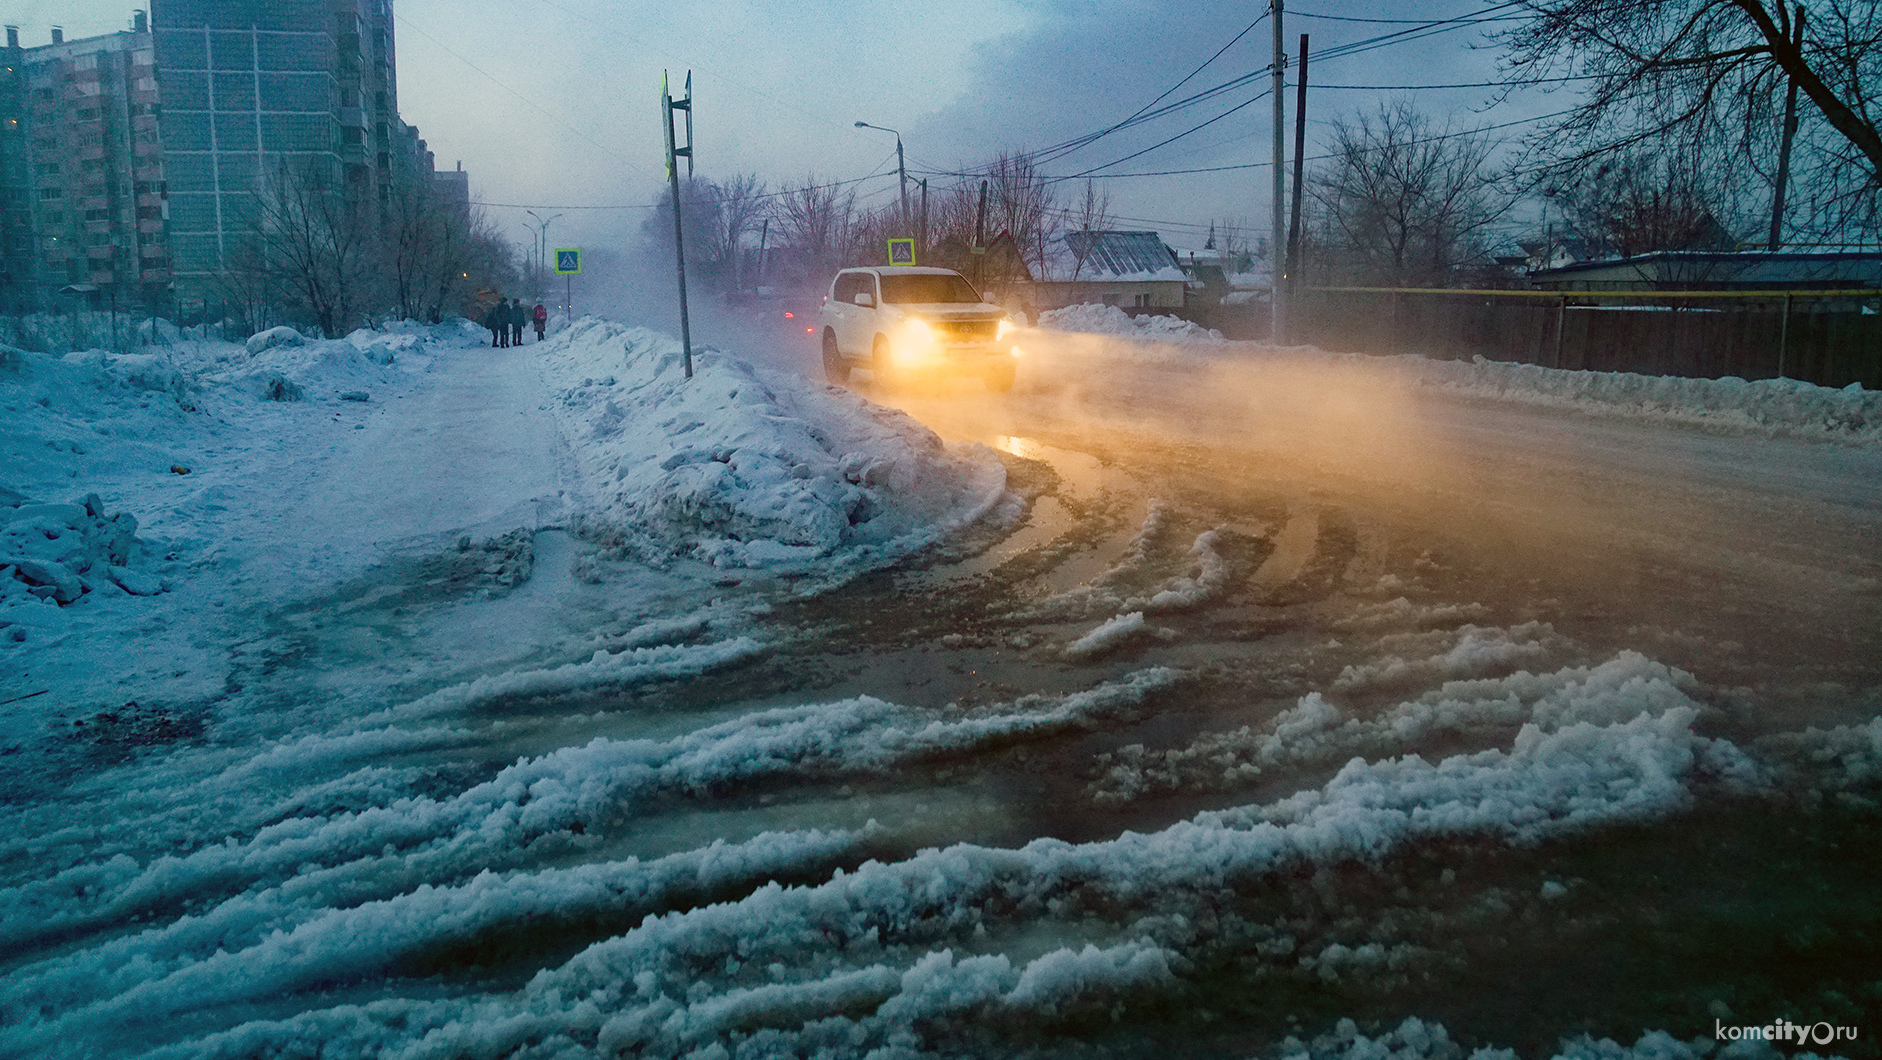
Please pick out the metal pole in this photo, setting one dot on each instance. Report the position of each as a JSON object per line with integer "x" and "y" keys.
{"x": 1784, "y": 337}
{"x": 1277, "y": 264}
{"x": 679, "y": 236}
{"x": 1561, "y": 320}
{"x": 1784, "y": 147}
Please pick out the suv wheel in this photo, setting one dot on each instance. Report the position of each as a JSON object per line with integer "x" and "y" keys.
{"x": 833, "y": 367}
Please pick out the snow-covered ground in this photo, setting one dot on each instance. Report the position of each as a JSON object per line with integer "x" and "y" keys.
{"x": 443, "y": 700}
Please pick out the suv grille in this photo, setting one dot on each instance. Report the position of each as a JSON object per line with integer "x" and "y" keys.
{"x": 966, "y": 330}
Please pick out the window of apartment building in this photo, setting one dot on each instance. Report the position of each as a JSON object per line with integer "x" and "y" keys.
{"x": 50, "y": 193}
{"x": 97, "y": 215}
{"x": 349, "y": 98}
{"x": 379, "y": 100}
{"x": 352, "y": 134}
{"x": 89, "y": 114}
{"x": 149, "y": 213}
{"x": 48, "y": 169}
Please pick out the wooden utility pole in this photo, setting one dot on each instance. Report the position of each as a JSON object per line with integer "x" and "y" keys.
{"x": 1277, "y": 242}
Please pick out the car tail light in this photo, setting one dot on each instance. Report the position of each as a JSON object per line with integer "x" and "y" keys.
{"x": 788, "y": 315}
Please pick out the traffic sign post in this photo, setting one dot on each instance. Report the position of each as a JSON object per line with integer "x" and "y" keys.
{"x": 901, "y": 252}
{"x": 568, "y": 263}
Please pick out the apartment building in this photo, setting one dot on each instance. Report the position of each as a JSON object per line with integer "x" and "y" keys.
{"x": 81, "y": 172}
{"x": 131, "y": 163}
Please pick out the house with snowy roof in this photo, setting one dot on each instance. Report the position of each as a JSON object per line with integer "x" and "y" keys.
{"x": 1128, "y": 269}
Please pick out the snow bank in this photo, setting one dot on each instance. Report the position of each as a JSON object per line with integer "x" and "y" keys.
{"x": 1765, "y": 406}
{"x": 744, "y": 467}
{"x": 1110, "y": 320}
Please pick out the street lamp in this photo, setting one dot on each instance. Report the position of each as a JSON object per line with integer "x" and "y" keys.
{"x": 900, "y": 167}
{"x": 542, "y": 247}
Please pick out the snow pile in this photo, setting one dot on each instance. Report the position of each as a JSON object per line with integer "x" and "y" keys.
{"x": 1111, "y": 634}
{"x": 58, "y": 553}
{"x": 1146, "y": 577}
{"x": 273, "y": 338}
{"x": 743, "y": 467}
{"x": 1110, "y": 320}
{"x": 851, "y": 964}
{"x": 1626, "y": 686}
{"x": 280, "y": 368}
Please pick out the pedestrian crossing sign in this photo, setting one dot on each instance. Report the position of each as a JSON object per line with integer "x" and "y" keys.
{"x": 568, "y": 261}
{"x": 901, "y": 252}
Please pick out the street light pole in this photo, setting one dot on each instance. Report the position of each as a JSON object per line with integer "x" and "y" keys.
{"x": 901, "y": 167}
{"x": 542, "y": 247}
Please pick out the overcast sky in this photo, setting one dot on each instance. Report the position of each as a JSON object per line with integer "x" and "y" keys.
{"x": 553, "y": 103}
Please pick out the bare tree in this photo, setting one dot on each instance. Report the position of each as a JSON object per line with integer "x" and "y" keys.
{"x": 1643, "y": 202}
{"x": 725, "y": 213}
{"x": 318, "y": 244}
{"x": 816, "y": 222}
{"x": 1020, "y": 205}
{"x": 1406, "y": 201}
{"x": 1091, "y": 213}
{"x": 1713, "y": 74}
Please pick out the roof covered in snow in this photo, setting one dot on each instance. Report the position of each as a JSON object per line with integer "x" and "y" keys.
{"x": 1100, "y": 256}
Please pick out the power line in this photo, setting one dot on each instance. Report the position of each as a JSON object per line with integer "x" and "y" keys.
{"x": 1389, "y": 21}
{"x": 1321, "y": 158}
{"x": 1465, "y": 84}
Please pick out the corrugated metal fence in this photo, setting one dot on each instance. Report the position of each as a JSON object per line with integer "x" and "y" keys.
{"x": 1828, "y": 338}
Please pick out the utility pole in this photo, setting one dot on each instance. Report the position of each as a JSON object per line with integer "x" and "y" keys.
{"x": 764, "y": 238}
{"x": 1784, "y": 147}
{"x": 1300, "y": 158}
{"x": 1277, "y": 250}
{"x": 667, "y": 106}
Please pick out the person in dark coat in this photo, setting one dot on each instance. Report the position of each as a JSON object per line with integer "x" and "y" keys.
{"x": 517, "y": 315}
{"x": 493, "y": 318}
{"x": 541, "y": 317}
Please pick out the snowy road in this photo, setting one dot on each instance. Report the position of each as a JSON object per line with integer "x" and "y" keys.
{"x": 1233, "y": 703}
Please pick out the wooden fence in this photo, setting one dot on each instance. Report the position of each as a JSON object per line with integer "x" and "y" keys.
{"x": 1828, "y": 338}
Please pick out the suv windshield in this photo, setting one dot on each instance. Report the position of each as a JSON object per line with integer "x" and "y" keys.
{"x": 928, "y": 288}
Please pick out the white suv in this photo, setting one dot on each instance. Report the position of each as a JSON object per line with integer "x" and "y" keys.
{"x": 903, "y": 321}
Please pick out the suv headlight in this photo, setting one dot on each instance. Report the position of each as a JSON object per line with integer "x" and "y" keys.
{"x": 916, "y": 338}
{"x": 1006, "y": 328}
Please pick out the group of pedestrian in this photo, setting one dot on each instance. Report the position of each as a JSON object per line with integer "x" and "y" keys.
{"x": 506, "y": 319}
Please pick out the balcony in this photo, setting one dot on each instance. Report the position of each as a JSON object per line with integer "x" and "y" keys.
{"x": 155, "y": 275}
{"x": 355, "y": 116}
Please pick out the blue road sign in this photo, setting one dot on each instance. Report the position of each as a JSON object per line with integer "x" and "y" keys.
{"x": 568, "y": 261}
